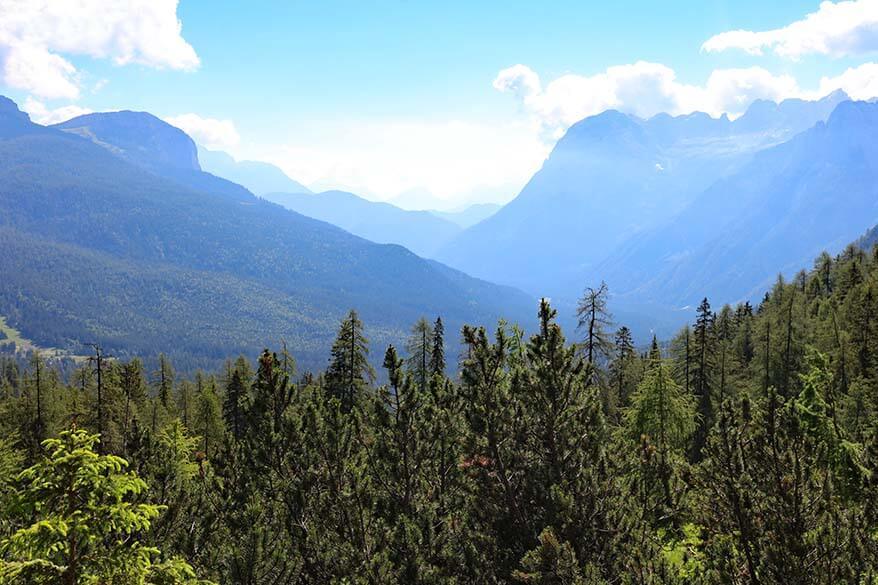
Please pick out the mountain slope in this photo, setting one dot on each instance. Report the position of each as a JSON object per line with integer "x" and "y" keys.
{"x": 138, "y": 137}
{"x": 419, "y": 231}
{"x": 816, "y": 192}
{"x": 258, "y": 177}
{"x": 470, "y": 215}
{"x": 70, "y": 202}
{"x": 610, "y": 177}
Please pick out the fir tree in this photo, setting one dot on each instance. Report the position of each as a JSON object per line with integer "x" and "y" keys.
{"x": 349, "y": 369}
{"x": 437, "y": 351}
{"x": 419, "y": 348}
{"x": 702, "y": 371}
{"x": 86, "y": 521}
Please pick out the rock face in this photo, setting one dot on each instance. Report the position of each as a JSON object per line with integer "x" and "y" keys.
{"x": 815, "y": 192}
{"x": 13, "y": 121}
{"x": 138, "y": 137}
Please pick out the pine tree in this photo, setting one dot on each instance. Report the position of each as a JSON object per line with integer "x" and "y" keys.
{"x": 702, "y": 372}
{"x": 662, "y": 414}
{"x": 236, "y": 400}
{"x": 349, "y": 370}
{"x": 186, "y": 394}
{"x": 165, "y": 382}
{"x": 437, "y": 351}
{"x": 272, "y": 396}
{"x": 209, "y": 419}
{"x": 622, "y": 365}
{"x": 594, "y": 319}
{"x": 135, "y": 394}
{"x": 419, "y": 348}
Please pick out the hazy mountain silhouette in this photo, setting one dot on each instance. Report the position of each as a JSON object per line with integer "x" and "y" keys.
{"x": 258, "y": 177}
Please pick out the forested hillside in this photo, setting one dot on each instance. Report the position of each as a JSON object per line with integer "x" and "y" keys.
{"x": 743, "y": 451}
{"x": 109, "y": 238}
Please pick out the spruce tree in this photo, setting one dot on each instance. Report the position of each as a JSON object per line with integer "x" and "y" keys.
{"x": 622, "y": 371}
{"x": 349, "y": 370}
{"x": 419, "y": 348}
{"x": 702, "y": 371}
{"x": 165, "y": 377}
{"x": 235, "y": 403}
{"x": 84, "y": 522}
{"x": 437, "y": 350}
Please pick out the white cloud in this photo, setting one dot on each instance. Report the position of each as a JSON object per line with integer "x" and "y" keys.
{"x": 837, "y": 28}
{"x": 860, "y": 83}
{"x": 208, "y": 132}
{"x": 34, "y": 34}
{"x": 450, "y": 159}
{"x": 643, "y": 89}
{"x": 41, "y": 114}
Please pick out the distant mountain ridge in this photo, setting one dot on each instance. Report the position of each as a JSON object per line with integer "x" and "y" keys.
{"x": 611, "y": 176}
{"x": 469, "y": 215}
{"x": 815, "y": 192}
{"x": 422, "y": 232}
{"x": 258, "y": 177}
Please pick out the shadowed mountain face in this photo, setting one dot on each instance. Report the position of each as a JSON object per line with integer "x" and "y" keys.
{"x": 258, "y": 177}
{"x": 609, "y": 178}
{"x": 419, "y": 231}
{"x": 816, "y": 192}
{"x": 143, "y": 252}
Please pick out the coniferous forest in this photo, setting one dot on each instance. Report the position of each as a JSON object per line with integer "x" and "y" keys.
{"x": 742, "y": 451}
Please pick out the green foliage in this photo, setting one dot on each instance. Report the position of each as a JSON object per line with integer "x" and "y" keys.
{"x": 743, "y": 452}
{"x": 85, "y": 522}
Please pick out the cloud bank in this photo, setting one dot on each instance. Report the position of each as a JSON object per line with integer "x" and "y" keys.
{"x": 41, "y": 114}
{"x": 208, "y": 132}
{"x": 837, "y": 29}
{"x": 645, "y": 89}
{"x": 450, "y": 159}
{"x": 35, "y": 33}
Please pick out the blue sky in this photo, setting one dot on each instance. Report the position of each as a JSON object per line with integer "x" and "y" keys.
{"x": 462, "y": 100}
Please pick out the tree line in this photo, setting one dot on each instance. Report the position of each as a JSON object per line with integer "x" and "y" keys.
{"x": 742, "y": 451}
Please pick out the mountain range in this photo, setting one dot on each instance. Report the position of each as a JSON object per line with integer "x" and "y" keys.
{"x": 815, "y": 192}
{"x": 113, "y": 234}
{"x": 670, "y": 208}
{"x": 422, "y": 232}
{"x": 119, "y": 230}
{"x": 258, "y": 177}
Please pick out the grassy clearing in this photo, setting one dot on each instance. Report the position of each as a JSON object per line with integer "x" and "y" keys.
{"x": 12, "y": 335}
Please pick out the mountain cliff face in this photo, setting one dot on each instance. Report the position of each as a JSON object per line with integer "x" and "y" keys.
{"x": 816, "y": 192}
{"x": 138, "y": 137}
{"x": 102, "y": 249}
{"x": 609, "y": 178}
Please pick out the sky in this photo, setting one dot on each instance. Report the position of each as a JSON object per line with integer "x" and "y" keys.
{"x": 431, "y": 104}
